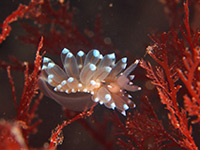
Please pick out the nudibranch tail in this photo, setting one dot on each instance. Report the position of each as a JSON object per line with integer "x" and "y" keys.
{"x": 89, "y": 74}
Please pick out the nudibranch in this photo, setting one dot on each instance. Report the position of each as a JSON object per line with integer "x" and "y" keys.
{"x": 97, "y": 79}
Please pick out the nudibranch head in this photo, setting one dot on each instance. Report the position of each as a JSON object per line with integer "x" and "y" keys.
{"x": 103, "y": 80}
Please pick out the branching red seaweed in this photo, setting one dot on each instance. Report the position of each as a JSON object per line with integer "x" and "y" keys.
{"x": 26, "y": 113}
{"x": 19, "y": 13}
{"x": 191, "y": 75}
{"x": 143, "y": 130}
{"x": 57, "y": 137}
{"x": 10, "y": 136}
{"x": 63, "y": 27}
{"x": 165, "y": 76}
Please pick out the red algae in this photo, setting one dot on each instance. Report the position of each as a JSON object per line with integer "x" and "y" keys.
{"x": 11, "y": 136}
{"x": 170, "y": 68}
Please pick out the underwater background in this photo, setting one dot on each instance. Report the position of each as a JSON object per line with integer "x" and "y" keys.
{"x": 123, "y": 27}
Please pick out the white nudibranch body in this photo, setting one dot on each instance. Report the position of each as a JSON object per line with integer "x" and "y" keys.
{"x": 98, "y": 77}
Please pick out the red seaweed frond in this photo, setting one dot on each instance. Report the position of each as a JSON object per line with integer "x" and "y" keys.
{"x": 143, "y": 130}
{"x": 170, "y": 54}
{"x": 191, "y": 76}
{"x": 26, "y": 113}
{"x": 57, "y": 137}
{"x": 10, "y": 136}
{"x": 19, "y": 13}
{"x": 191, "y": 79}
{"x": 60, "y": 30}
{"x": 15, "y": 64}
